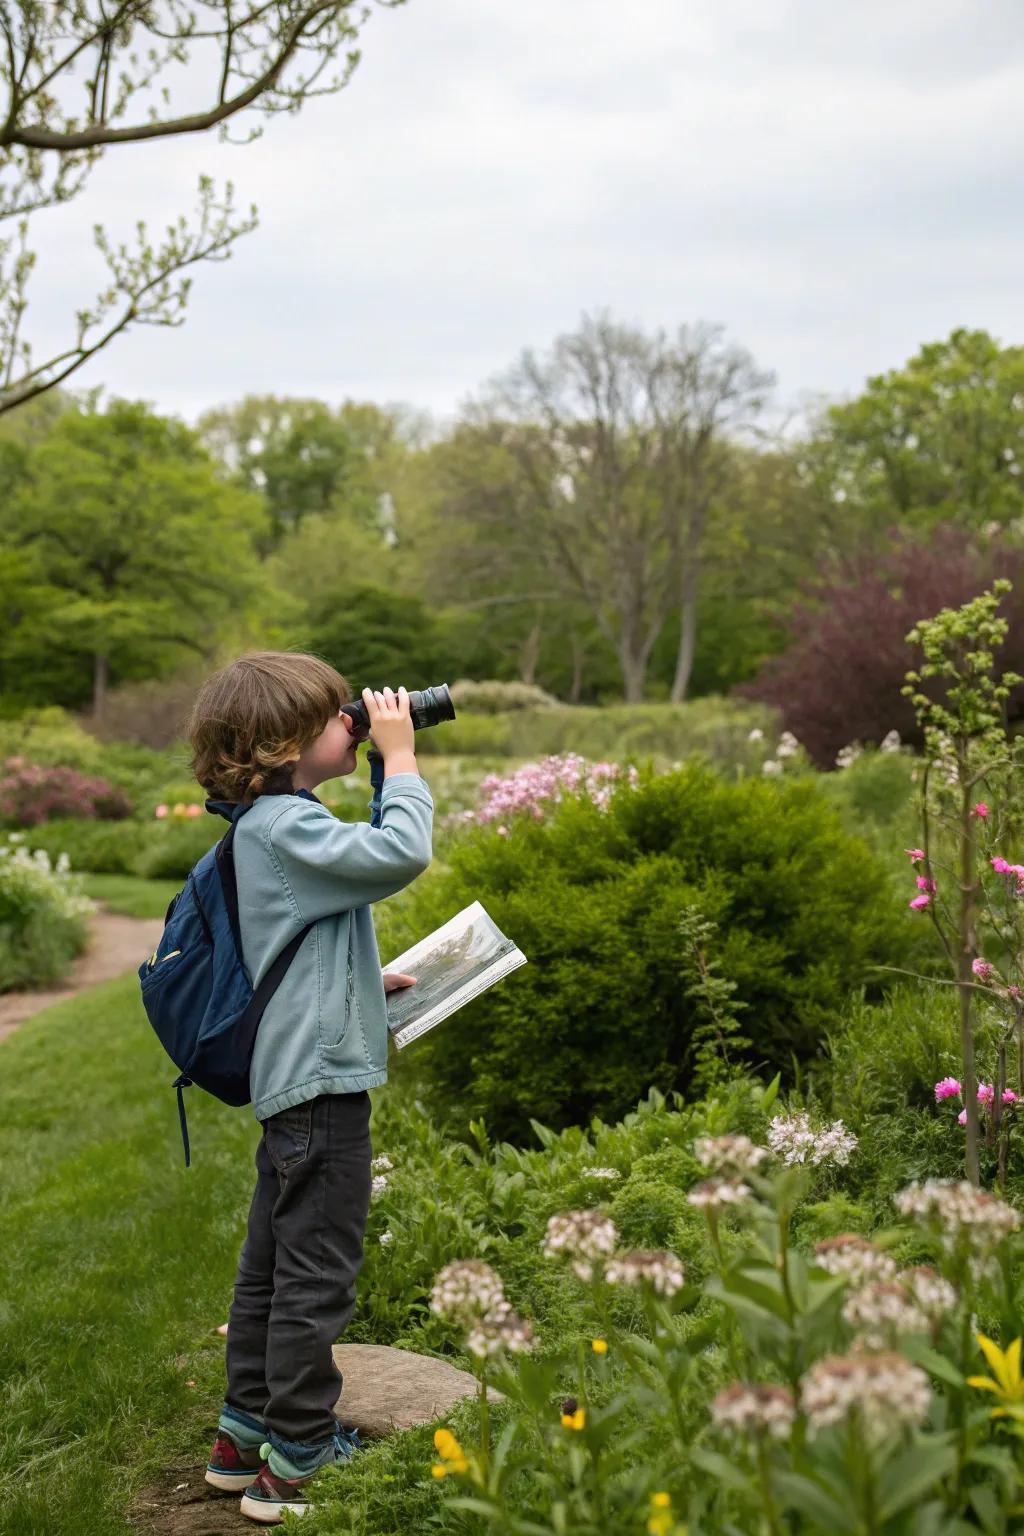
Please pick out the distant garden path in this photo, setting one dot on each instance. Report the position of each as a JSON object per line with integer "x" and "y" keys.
{"x": 116, "y": 944}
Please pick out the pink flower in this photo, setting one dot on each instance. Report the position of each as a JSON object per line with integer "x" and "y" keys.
{"x": 983, "y": 969}
{"x": 1014, "y": 992}
{"x": 916, "y": 854}
{"x": 924, "y": 884}
{"x": 961, "y": 1118}
{"x": 161, "y": 810}
{"x": 1000, "y": 865}
{"x": 986, "y": 1093}
{"x": 948, "y": 1088}
{"x": 1009, "y": 1097}
{"x": 981, "y": 809}
{"x": 194, "y": 810}
{"x": 920, "y": 902}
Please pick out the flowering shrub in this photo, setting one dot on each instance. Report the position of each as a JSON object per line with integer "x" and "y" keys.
{"x": 31, "y": 794}
{"x": 619, "y": 991}
{"x": 538, "y": 787}
{"x": 786, "y": 1391}
{"x": 42, "y": 917}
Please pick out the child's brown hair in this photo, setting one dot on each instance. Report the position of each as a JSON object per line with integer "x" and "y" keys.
{"x": 251, "y": 719}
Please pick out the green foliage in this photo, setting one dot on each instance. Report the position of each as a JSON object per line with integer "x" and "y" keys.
{"x": 107, "y": 848}
{"x": 492, "y": 697}
{"x": 594, "y": 900}
{"x": 940, "y": 438}
{"x": 141, "y": 546}
{"x": 171, "y": 847}
{"x": 43, "y": 916}
{"x": 719, "y": 728}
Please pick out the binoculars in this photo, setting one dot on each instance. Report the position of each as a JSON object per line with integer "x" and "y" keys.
{"x": 427, "y": 706}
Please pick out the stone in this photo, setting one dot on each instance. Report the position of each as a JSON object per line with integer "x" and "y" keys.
{"x": 386, "y": 1389}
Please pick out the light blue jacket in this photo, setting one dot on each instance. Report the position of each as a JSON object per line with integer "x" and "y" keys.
{"x": 325, "y": 1029}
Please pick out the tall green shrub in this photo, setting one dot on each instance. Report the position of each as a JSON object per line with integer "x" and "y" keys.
{"x": 595, "y": 900}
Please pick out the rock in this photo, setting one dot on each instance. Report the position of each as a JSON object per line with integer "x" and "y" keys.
{"x": 386, "y": 1389}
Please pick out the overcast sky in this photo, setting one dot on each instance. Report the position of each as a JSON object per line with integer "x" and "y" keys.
{"x": 834, "y": 181}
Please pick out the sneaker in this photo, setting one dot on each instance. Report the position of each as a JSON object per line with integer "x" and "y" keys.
{"x": 231, "y": 1466}
{"x": 268, "y": 1496}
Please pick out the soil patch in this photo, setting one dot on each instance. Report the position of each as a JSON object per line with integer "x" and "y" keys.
{"x": 117, "y": 943}
{"x": 182, "y": 1503}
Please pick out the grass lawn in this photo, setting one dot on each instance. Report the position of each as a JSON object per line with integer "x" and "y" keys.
{"x": 128, "y": 894}
{"x": 116, "y": 1267}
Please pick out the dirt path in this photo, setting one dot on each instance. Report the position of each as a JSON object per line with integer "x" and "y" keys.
{"x": 116, "y": 944}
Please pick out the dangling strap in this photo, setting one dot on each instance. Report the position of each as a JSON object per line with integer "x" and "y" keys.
{"x": 181, "y": 1083}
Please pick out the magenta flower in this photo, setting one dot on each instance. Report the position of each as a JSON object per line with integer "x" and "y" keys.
{"x": 948, "y": 1088}
{"x": 1000, "y": 865}
{"x": 920, "y": 902}
{"x": 986, "y": 1093}
{"x": 924, "y": 884}
{"x": 983, "y": 969}
{"x": 961, "y": 1118}
{"x": 1014, "y": 992}
{"x": 1009, "y": 1097}
{"x": 916, "y": 854}
{"x": 981, "y": 809}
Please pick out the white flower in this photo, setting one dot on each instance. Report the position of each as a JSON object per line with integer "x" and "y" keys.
{"x": 662, "y": 1271}
{"x": 753, "y": 1408}
{"x": 933, "y": 1295}
{"x": 499, "y": 1331}
{"x": 771, "y": 767}
{"x": 386, "y": 1238}
{"x": 791, "y": 1138}
{"x": 714, "y": 1193}
{"x": 788, "y": 745}
{"x": 847, "y": 756}
{"x": 382, "y": 1164}
{"x": 756, "y": 734}
{"x": 966, "y": 1216}
{"x": 601, "y": 1173}
{"x": 378, "y": 1184}
{"x": 728, "y": 1154}
{"x": 890, "y": 742}
{"x": 581, "y": 1236}
{"x": 889, "y": 1391}
{"x": 855, "y": 1257}
{"x": 466, "y": 1289}
{"x": 881, "y": 1312}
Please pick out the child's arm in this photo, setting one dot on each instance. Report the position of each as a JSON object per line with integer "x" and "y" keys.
{"x": 331, "y": 866}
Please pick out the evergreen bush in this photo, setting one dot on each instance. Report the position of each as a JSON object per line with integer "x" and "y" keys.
{"x": 43, "y": 918}
{"x": 597, "y": 902}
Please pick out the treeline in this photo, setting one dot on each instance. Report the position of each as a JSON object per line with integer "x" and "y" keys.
{"x": 616, "y": 519}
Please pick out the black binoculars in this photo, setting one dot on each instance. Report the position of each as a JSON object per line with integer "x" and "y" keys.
{"x": 427, "y": 706}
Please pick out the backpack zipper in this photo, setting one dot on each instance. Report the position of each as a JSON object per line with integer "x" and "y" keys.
{"x": 170, "y": 954}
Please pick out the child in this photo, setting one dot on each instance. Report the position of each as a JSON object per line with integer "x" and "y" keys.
{"x": 265, "y": 731}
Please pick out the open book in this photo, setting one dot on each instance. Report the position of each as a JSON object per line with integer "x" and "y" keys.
{"x": 452, "y": 965}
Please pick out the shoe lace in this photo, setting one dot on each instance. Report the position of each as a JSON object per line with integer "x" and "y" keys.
{"x": 347, "y": 1441}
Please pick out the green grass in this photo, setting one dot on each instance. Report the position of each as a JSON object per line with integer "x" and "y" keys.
{"x": 117, "y": 1263}
{"x": 131, "y": 896}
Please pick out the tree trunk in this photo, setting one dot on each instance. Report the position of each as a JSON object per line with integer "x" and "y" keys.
{"x": 578, "y": 657}
{"x": 100, "y": 678}
{"x": 530, "y": 653}
{"x": 687, "y": 648}
{"x": 634, "y": 673}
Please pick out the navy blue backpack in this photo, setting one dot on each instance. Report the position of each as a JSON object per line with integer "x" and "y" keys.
{"x": 196, "y": 990}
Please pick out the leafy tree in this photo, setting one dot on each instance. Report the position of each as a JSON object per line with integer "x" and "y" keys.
{"x": 84, "y": 76}
{"x": 133, "y": 551}
{"x": 939, "y": 440}
{"x": 618, "y": 440}
{"x": 841, "y": 679}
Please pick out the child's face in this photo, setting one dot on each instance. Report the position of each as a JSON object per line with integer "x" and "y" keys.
{"x": 331, "y": 755}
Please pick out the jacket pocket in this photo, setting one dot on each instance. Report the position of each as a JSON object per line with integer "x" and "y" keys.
{"x": 287, "y": 1134}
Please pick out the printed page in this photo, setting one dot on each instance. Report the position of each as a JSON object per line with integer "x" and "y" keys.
{"x": 454, "y": 964}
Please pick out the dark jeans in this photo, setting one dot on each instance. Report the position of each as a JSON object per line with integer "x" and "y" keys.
{"x": 295, "y": 1289}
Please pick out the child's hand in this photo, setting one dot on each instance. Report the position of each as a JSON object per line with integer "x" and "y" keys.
{"x": 395, "y": 979}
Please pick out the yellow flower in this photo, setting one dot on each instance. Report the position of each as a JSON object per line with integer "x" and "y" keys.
{"x": 661, "y": 1522}
{"x": 574, "y": 1420}
{"x": 453, "y": 1457}
{"x": 1009, "y": 1381}
{"x": 599, "y": 1346}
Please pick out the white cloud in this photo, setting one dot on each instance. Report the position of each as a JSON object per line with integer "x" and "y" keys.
{"x": 834, "y": 183}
